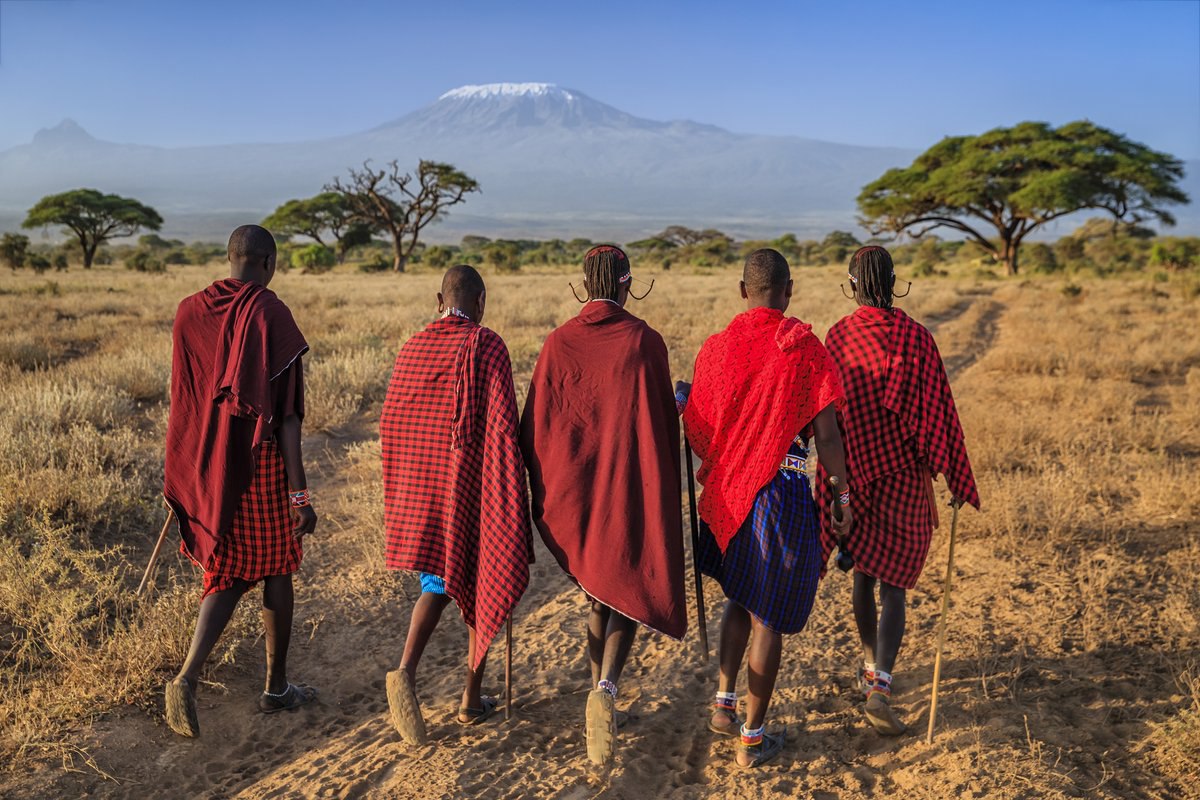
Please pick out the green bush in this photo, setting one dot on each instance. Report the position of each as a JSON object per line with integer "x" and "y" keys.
{"x": 144, "y": 260}
{"x": 314, "y": 259}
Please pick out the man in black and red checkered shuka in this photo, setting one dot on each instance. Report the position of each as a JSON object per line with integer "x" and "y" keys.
{"x": 455, "y": 505}
{"x": 901, "y": 431}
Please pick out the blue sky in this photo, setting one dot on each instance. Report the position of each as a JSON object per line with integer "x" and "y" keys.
{"x": 180, "y": 72}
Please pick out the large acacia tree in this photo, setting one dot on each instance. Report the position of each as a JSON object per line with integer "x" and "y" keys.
{"x": 93, "y": 218}
{"x": 1014, "y": 180}
{"x": 324, "y": 215}
{"x": 401, "y": 203}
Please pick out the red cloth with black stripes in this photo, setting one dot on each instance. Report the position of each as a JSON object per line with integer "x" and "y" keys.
{"x": 260, "y": 543}
{"x": 755, "y": 386}
{"x": 600, "y": 434}
{"x": 901, "y": 429}
{"x": 235, "y": 375}
{"x": 455, "y": 503}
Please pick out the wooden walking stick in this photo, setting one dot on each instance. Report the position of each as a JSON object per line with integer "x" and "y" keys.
{"x": 937, "y": 661}
{"x": 700, "y": 610}
{"x": 508, "y": 669}
{"x": 157, "y": 547}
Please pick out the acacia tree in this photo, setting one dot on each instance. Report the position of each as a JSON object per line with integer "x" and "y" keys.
{"x": 325, "y": 214}
{"x": 93, "y": 218}
{"x": 1014, "y": 180}
{"x": 402, "y": 204}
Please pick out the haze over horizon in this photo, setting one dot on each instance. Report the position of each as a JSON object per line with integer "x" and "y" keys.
{"x": 866, "y": 73}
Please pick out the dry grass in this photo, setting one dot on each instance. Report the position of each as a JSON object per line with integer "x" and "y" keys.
{"x": 1078, "y": 639}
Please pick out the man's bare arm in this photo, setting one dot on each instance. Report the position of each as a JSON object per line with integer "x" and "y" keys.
{"x": 833, "y": 458}
{"x": 288, "y": 437}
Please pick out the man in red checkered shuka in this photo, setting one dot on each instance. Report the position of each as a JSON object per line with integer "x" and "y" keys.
{"x": 234, "y": 474}
{"x": 901, "y": 431}
{"x": 455, "y": 505}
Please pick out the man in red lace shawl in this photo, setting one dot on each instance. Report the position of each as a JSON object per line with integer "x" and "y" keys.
{"x": 761, "y": 388}
{"x": 234, "y": 475}
{"x": 456, "y": 508}
{"x": 601, "y": 438}
{"x": 901, "y": 430}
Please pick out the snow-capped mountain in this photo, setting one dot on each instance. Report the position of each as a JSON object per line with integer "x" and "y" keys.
{"x": 550, "y": 161}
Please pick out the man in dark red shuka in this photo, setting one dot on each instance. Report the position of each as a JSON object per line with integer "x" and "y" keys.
{"x": 601, "y": 439}
{"x": 901, "y": 429}
{"x": 763, "y": 387}
{"x": 456, "y": 508}
{"x": 234, "y": 474}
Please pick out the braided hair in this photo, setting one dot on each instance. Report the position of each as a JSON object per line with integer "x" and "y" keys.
{"x": 873, "y": 276}
{"x": 605, "y": 270}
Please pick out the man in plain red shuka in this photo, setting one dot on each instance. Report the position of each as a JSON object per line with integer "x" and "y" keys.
{"x": 901, "y": 430}
{"x": 601, "y": 440}
{"x": 234, "y": 474}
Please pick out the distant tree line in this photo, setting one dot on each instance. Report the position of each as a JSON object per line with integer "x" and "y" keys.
{"x": 993, "y": 190}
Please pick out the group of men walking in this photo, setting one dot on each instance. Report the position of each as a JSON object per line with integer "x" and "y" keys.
{"x": 598, "y": 445}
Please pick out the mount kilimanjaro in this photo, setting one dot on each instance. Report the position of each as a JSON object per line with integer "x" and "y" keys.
{"x": 550, "y": 162}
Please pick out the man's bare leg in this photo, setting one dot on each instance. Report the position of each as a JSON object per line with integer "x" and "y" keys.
{"x": 618, "y": 641}
{"x": 891, "y": 624}
{"x": 278, "y": 603}
{"x": 180, "y": 694}
{"x": 215, "y": 612}
{"x": 866, "y": 616}
{"x": 597, "y": 626}
{"x": 426, "y": 614}
{"x": 472, "y": 697}
{"x": 890, "y": 635}
{"x": 766, "y": 650}
{"x": 735, "y": 635}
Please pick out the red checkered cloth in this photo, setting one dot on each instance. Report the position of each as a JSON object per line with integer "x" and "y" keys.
{"x": 453, "y": 476}
{"x": 260, "y": 543}
{"x": 900, "y": 427}
{"x": 756, "y": 385}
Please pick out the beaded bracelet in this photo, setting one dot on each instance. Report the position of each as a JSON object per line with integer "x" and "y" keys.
{"x": 844, "y": 498}
{"x": 300, "y": 499}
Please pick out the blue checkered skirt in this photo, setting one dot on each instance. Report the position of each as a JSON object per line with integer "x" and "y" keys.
{"x": 772, "y": 565}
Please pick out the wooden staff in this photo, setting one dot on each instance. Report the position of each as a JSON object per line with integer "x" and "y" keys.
{"x": 157, "y": 547}
{"x": 508, "y": 693}
{"x": 700, "y": 615}
{"x": 937, "y": 661}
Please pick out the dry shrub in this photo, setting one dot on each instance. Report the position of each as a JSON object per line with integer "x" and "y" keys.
{"x": 340, "y": 385}
{"x": 77, "y": 641}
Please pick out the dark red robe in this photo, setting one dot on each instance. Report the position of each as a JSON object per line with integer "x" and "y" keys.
{"x": 601, "y": 439}
{"x": 232, "y": 342}
{"x": 453, "y": 476}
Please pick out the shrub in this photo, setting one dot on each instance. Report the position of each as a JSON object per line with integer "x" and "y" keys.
{"x": 314, "y": 259}
{"x": 14, "y": 250}
{"x": 145, "y": 261}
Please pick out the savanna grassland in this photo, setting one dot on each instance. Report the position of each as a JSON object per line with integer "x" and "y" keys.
{"x": 1073, "y": 656}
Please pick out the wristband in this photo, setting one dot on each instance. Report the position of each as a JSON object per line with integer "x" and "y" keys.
{"x": 300, "y": 499}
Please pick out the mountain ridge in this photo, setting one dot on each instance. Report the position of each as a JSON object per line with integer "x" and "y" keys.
{"x": 551, "y": 161}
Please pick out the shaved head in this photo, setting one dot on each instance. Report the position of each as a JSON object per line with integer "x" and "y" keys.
{"x": 461, "y": 286}
{"x": 765, "y": 272}
{"x": 250, "y": 244}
